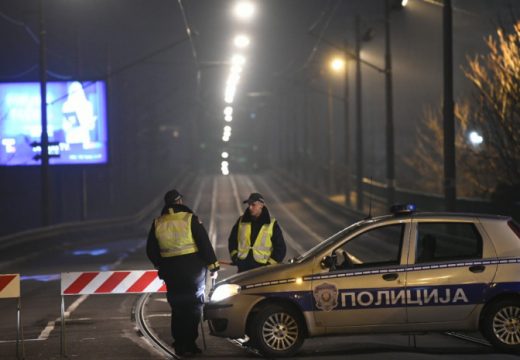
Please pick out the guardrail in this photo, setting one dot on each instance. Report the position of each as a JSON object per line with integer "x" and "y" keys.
{"x": 376, "y": 193}
{"x": 91, "y": 225}
{"x": 10, "y": 289}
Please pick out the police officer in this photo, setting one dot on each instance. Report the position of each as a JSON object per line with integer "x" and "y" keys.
{"x": 256, "y": 239}
{"x": 179, "y": 247}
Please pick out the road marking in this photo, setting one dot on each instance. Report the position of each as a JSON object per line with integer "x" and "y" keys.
{"x": 235, "y": 195}
{"x": 198, "y": 197}
{"x": 212, "y": 231}
{"x": 44, "y": 335}
{"x": 307, "y": 229}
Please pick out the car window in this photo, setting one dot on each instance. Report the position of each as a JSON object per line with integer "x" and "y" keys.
{"x": 375, "y": 247}
{"x": 447, "y": 241}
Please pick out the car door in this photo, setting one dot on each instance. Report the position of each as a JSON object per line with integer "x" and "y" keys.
{"x": 366, "y": 284}
{"x": 449, "y": 269}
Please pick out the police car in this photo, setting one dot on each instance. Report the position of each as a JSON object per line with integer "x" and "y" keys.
{"x": 405, "y": 272}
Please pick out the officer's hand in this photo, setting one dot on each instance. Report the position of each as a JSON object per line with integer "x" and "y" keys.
{"x": 214, "y": 275}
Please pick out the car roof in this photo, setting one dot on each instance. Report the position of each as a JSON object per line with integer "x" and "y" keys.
{"x": 438, "y": 215}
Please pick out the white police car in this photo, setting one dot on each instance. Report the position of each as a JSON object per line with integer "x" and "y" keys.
{"x": 405, "y": 272}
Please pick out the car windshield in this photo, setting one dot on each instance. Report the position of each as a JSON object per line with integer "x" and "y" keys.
{"x": 334, "y": 238}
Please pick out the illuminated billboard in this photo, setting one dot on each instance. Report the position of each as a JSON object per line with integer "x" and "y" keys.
{"x": 76, "y": 123}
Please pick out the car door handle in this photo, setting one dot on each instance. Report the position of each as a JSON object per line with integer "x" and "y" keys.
{"x": 477, "y": 268}
{"x": 390, "y": 277}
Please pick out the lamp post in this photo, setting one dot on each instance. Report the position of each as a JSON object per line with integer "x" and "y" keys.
{"x": 359, "y": 119}
{"x": 339, "y": 65}
{"x": 44, "y": 142}
{"x": 450, "y": 190}
{"x": 390, "y": 165}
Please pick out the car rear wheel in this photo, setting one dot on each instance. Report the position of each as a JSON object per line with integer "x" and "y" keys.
{"x": 277, "y": 331}
{"x": 501, "y": 325}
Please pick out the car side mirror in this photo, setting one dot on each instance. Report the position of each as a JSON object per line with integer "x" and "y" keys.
{"x": 328, "y": 262}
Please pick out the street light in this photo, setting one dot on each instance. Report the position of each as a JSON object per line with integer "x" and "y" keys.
{"x": 244, "y": 10}
{"x": 241, "y": 41}
{"x": 338, "y": 66}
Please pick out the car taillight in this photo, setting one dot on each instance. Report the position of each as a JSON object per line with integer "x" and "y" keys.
{"x": 515, "y": 227}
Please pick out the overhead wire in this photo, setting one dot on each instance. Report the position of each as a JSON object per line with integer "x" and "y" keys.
{"x": 36, "y": 40}
{"x": 321, "y": 34}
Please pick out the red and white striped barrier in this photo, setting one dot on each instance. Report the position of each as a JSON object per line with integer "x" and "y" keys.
{"x": 9, "y": 286}
{"x": 107, "y": 282}
{"x": 111, "y": 282}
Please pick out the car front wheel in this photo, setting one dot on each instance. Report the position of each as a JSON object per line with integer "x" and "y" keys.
{"x": 277, "y": 331}
{"x": 501, "y": 325}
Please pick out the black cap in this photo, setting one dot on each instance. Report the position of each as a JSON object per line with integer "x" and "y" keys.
{"x": 254, "y": 197}
{"x": 172, "y": 196}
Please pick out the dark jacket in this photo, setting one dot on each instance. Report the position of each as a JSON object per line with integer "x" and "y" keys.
{"x": 205, "y": 257}
{"x": 278, "y": 241}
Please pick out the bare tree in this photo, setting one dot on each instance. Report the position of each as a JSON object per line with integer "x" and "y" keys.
{"x": 493, "y": 111}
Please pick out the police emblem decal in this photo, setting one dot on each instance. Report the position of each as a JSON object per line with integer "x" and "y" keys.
{"x": 326, "y": 296}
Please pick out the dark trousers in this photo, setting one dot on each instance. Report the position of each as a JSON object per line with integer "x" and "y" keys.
{"x": 185, "y": 294}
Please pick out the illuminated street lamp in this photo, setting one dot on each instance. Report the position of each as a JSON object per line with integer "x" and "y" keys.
{"x": 241, "y": 41}
{"x": 244, "y": 10}
{"x": 475, "y": 138}
{"x": 337, "y": 65}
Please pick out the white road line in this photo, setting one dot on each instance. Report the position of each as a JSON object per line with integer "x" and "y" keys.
{"x": 44, "y": 335}
{"x": 198, "y": 197}
{"x": 212, "y": 232}
{"x": 235, "y": 195}
{"x": 302, "y": 225}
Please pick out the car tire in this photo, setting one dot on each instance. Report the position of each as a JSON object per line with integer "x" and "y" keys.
{"x": 277, "y": 331}
{"x": 501, "y": 325}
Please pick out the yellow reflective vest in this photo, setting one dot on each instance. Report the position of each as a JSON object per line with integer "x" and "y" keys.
{"x": 173, "y": 232}
{"x": 262, "y": 246}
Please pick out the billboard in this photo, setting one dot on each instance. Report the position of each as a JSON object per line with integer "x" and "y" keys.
{"x": 76, "y": 123}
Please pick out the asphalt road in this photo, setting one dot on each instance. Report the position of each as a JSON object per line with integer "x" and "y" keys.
{"x": 104, "y": 327}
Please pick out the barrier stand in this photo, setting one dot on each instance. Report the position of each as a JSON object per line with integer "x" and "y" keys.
{"x": 103, "y": 283}
{"x": 10, "y": 288}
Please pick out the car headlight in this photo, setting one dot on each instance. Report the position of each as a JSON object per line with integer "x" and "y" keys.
{"x": 224, "y": 291}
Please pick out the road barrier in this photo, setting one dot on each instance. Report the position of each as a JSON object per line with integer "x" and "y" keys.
{"x": 106, "y": 282}
{"x": 10, "y": 289}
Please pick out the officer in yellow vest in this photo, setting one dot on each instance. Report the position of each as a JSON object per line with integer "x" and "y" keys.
{"x": 179, "y": 247}
{"x": 256, "y": 238}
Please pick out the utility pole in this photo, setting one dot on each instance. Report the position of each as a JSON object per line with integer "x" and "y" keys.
{"x": 330, "y": 136}
{"x": 44, "y": 143}
{"x": 359, "y": 118}
{"x": 449, "y": 123}
{"x": 390, "y": 166}
{"x": 348, "y": 171}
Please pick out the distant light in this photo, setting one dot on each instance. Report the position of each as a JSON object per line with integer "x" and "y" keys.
{"x": 225, "y": 138}
{"x": 244, "y": 10}
{"x": 224, "y": 167}
{"x": 227, "y": 129}
{"x": 241, "y": 41}
{"x": 228, "y": 111}
{"x": 337, "y": 64}
{"x": 228, "y": 118}
{"x": 238, "y": 59}
{"x": 404, "y": 3}
{"x": 475, "y": 138}
{"x": 299, "y": 281}
{"x": 224, "y": 155}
